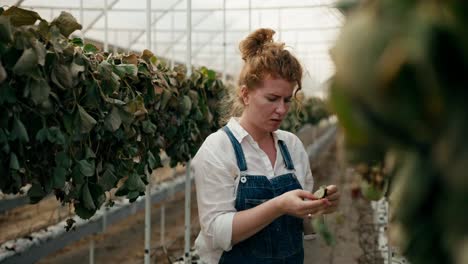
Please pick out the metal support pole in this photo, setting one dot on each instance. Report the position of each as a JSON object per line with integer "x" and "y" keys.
{"x": 172, "y": 40}
{"x": 82, "y": 18}
{"x": 91, "y": 251}
{"x": 279, "y": 24}
{"x": 224, "y": 41}
{"x": 106, "y": 27}
{"x": 163, "y": 225}
{"x": 189, "y": 38}
{"x": 114, "y": 45}
{"x": 250, "y": 16}
{"x": 129, "y": 44}
{"x": 148, "y": 186}
{"x": 188, "y": 188}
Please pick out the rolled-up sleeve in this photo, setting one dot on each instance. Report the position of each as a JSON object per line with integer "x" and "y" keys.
{"x": 215, "y": 184}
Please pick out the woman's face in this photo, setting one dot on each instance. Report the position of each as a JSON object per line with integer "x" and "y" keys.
{"x": 267, "y": 105}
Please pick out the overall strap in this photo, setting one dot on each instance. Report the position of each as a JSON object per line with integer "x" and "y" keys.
{"x": 241, "y": 163}
{"x": 286, "y": 156}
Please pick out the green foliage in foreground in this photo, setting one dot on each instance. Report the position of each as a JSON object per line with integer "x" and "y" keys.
{"x": 400, "y": 94}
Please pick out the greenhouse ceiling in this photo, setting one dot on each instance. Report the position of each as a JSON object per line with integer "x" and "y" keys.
{"x": 308, "y": 27}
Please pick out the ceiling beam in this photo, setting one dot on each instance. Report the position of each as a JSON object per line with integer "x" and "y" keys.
{"x": 95, "y": 20}
{"x": 183, "y": 9}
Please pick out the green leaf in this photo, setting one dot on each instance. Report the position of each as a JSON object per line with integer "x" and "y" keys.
{"x": 90, "y": 48}
{"x": 87, "y": 122}
{"x": 113, "y": 120}
{"x": 19, "y": 131}
{"x": 6, "y": 35}
{"x": 86, "y": 167}
{"x": 148, "y": 127}
{"x": 7, "y": 93}
{"x": 108, "y": 179}
{"x": 59, "y": 177}
{"x": 14, "y": 164}
{"x": 99, "y": 197}
{"x": 21, "y": 17}
{"x": 87, "y": 198}
{"x": 56, "y": 136}
{"x": 40, "y": 90}
{"x": 77, "y": 42}
{"x": 134, "y": 183}
{"x": 133, "y": 195}
{"x": 66, "y": 23}
{"x": 126, "y": 69}
{"x": 152, "y": 161}
{"x": 26, "y": 63}
{"x": 62, "y": 160}
{"x": 42, "y": 135}
{"x": 36, "y": 193}
{"x": 77, "y": 176}
{"x": 89, "y": 154}
{"x": 92, "y": 97}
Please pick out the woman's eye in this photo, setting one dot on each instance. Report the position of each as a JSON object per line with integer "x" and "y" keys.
{"x": 271, "y": 99}
{"x": 287, "y": 100}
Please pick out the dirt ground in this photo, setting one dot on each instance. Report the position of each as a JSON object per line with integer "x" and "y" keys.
{"x": 123, "y": 242}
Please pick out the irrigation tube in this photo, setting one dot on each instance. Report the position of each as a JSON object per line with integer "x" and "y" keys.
{"x": 48, "y": 240}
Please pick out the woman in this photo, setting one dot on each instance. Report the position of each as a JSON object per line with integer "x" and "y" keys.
{"x": 253, "y": 180}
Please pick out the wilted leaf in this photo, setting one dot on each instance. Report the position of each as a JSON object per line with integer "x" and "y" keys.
{"x": 21, "y": 17}
{"x": 40, "y": 90}
{"x": 136, "y": 106}
{"x": 113, "y": 121}
{"x": 87, "y": 122}
{"x": 86, "y": 198}
{"x": 135, "y": 183}
{"x": 5, "y": 29}
{"x": 26, "y": 63}
{"x": 146, "y": 55}
{"x": 130, "y": 59}
{"x": 90, "y": 48}
{"x": 148, "y": 127}
{"x": 62, "y": 76}
{"x": 108, "y": 179}
{"x": 14, "y": 164}
{"x": 42, "y": 135}
{"x": 56, "y": 136}
{"x": 89, "y": 154}
{"x": 19, "y": 131}
{"x": 36, "y": 193}
{"x": 59, "y": 177}
{"x": 62, "y": 160}
{"x": 66, "y": 23}
{"x": 86, "y": 167}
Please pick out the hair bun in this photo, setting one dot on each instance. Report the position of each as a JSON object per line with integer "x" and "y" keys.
{"x": 255, "y": 41}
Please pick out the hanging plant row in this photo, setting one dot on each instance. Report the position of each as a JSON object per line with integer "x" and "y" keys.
{"x": 400, "y": 94}
{"x": 309, "y": 110}
{"x": 75, "y": 121}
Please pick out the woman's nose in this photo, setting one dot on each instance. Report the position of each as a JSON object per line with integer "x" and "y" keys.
{"x": 281, "y": 107}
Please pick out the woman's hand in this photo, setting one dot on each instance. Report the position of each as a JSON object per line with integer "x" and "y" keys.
{"x": 333, "y": 197}
{"x": 300, "y": 203}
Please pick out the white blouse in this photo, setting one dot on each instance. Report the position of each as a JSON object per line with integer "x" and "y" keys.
{"x": 215, "y": 170}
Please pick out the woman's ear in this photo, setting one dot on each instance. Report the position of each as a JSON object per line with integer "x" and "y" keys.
{"x": 244, "y": 93}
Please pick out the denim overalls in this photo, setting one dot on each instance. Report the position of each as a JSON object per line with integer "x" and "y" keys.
{"x": 281, "y": 240}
